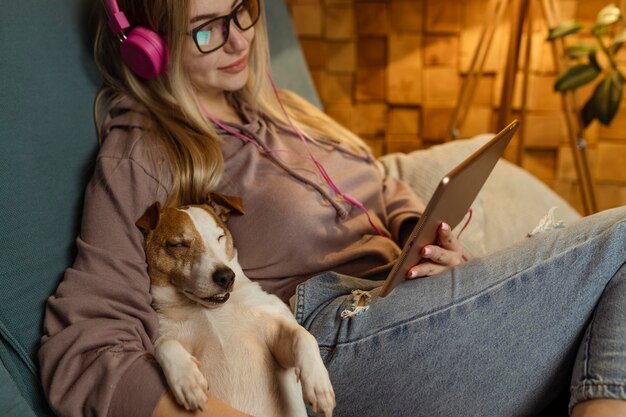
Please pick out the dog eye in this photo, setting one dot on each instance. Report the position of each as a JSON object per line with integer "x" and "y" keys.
{"x": 177, "y": 245}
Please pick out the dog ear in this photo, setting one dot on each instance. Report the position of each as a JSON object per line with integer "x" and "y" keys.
{"x": 225, "y": 205}
{"x": 150, "y": 219}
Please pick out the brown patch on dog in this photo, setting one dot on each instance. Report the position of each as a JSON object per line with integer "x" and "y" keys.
{"x": 168, "y": 263}
{"x": 150, "y": 218}
{"x": 225, "y": 205}
{"x": 230, "y": 247}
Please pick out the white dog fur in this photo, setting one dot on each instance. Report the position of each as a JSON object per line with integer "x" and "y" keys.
{"x": 224, "y": 338}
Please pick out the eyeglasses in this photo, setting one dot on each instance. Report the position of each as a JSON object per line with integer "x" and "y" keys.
{"x": 213, "y": 34}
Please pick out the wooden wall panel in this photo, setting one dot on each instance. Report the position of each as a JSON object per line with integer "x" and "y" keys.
{"x": 340, "y": 22}
{"x": 441, "y": 51}
{"x": 439, "y": 92}
{"x": 341, "y": 56}
{"x": 372, "y": 52}
{"x": 372, "y": 18}
{"x": 443, "y": 16}
{"x": 542, "y": 164}
{"x": 407, "y": 16}
{"x": 404, "y": 121}
{"x": 404, "y": 67}
{"x": 611, "y": 167}
{"x": 307, "y": 18}
{"x": 391, "y": 71}
{"x": 370, "y": 84}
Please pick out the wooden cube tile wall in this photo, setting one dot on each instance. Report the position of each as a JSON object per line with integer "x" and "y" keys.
{"x": 391, "y": 71}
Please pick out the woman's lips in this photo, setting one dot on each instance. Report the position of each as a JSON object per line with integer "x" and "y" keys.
{"x": 236, "y": 66}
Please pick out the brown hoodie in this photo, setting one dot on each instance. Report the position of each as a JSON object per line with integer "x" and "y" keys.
{"x": 99, "y": 328}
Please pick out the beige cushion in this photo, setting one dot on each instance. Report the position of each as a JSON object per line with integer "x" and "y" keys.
{"x": 510, "y": 205}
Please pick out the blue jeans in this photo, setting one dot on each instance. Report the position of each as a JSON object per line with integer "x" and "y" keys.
{"x": 501, "y": 335}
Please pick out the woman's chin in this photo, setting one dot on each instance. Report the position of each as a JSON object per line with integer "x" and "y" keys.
{"x": 234, "y": 82}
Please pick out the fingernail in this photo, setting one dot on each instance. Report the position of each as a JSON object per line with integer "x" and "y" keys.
{"x": 426, "y": 251}
{"x": 412, "y": 274}
{"x": 445, "y": 227}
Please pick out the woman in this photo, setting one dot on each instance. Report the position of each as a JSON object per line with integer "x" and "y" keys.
{"x": 496, "y": 336}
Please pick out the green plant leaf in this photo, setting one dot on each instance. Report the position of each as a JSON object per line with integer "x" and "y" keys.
{"x": 605, "y": 100}
{"x": 563, "y": 30}
{"x": 599, "y": 30}
{"x": 593, "y": 60}
{"x": 588, "y": 112}
{"x": 608, "y": 15}
{"x": 580, "y": 50}
{"x": 576, "y": 76}
{"x": 620, "y": 37}
{"x": 618, "y": 40}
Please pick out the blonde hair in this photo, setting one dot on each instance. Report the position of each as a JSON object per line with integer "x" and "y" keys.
{"x": 191, "y": 143}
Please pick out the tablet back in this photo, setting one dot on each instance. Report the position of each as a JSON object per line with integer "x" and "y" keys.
{"x": 450, "y": 202}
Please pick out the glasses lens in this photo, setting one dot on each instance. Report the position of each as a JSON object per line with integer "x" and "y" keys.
{"x": 247, "y": 14}
{"x": 214, "y": 33}
{"x": 211, "y": 35}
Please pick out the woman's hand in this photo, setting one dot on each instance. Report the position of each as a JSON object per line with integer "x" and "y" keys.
{"x": 447, "y": 254}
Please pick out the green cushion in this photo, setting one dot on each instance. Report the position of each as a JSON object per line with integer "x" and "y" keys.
{"x": 12, "y": 404}
{"x": 48, "y": 141}
{"x": 48, "y": 146}
{"x": 288, "y": 64}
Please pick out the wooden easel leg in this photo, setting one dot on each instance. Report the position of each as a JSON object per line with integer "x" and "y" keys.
{"x": 494, "y": 15}
{"x": 572, "y": 118}
{"x": 518, "y": 14}
{"x": 521, "y": 11}
{"x": 525, "y": 82}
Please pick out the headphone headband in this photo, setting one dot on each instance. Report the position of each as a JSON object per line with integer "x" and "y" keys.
{"x": 142, "y": 49}
{"x": 117, "y": 19}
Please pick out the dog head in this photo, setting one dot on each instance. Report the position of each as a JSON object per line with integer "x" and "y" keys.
{"x": 191, "y": 249}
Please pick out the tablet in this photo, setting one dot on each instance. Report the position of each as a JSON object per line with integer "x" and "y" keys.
{"x": 450, "y": 202}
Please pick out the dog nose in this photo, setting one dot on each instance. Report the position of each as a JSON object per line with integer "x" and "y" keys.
{"x": 224, "y": 277}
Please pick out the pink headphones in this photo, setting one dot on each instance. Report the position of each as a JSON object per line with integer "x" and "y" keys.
{"x": 142, "y": 49}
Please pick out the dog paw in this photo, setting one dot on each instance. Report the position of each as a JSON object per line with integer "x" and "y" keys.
{"x": 188, "y": 384}
{"x": 317, "y": 389}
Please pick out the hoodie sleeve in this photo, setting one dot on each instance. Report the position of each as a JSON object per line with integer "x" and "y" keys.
{"x": 403, "y": 207}
{"x": 97, "y": 350}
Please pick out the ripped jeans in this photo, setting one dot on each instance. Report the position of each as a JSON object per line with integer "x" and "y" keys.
{"x": 501, "y": 335}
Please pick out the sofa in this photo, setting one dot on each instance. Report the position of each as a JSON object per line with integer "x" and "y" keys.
{"x": 48, "y": 147}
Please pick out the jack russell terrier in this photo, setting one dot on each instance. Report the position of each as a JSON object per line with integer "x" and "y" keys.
{"x": 219, "y": 332}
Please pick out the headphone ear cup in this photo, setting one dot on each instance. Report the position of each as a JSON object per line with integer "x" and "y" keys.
{"x": 144, "y": 52}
